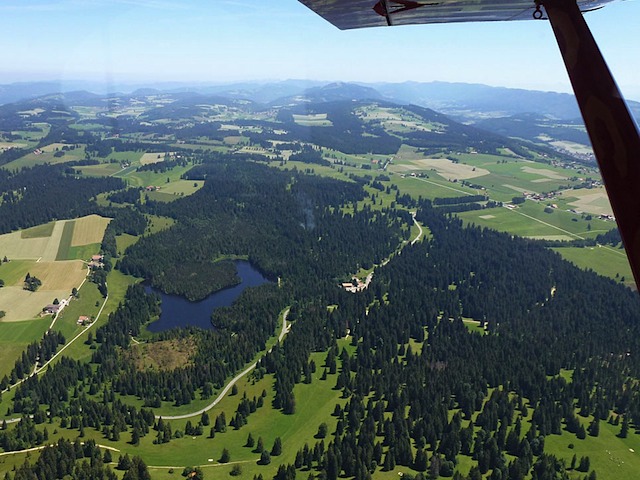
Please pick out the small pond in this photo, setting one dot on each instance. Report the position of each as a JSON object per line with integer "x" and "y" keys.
{"x": 179, "y": 312}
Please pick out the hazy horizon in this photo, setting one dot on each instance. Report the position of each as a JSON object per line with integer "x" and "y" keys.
{"x": 157, "y": 41}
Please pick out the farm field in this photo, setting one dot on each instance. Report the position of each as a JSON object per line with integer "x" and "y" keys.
{"x": 47, "y": 156}
{"x": 150, "y": 158}
{"x": 530, "y": 220}
{"x": 593, "y": 200}
{"x": 58, "y": 278}
{"x": 88, "y": 230}
{"x": 100, "y": 170}
{"x": 15, "y": 246}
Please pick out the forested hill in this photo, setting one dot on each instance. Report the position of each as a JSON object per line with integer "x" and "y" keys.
{"x": 289, "y": 224}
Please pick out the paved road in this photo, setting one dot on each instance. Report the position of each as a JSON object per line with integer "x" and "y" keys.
{"x": 285, "y": 329}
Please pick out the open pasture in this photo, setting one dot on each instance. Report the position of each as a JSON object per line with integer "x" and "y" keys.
{"x": 313, "y": 120}
{"x": 148, "y": 177}
{"x": 14, "y": 246}
{"x": 593, "y": 200}
{"x": 47, "y": 155}
{"x": 14, "y": 337}
{"x": 431, "y": 187}
{"x": 612, "y": 457}
{"x": 605, "y": 260}
{"x": 446, "y": 168}
{"x": 101, "y": 170}
{"x": 21, "y": 304}
{"x": 8, "y": 145}
{"x": 151, "y": 158}
{"x": 88, "y": 230}
{"x": 183, "y": 187}
{"x": 530, "y": 220}
{"x": 13, "y": 272}
{"x": 39, "y": 231}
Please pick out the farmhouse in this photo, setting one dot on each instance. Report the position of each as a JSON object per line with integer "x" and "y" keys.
{"x": 83, "y": 320}
{"x": 53, "y": 309}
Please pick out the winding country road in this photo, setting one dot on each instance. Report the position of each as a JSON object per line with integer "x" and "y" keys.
{"x": 285, "y": 329}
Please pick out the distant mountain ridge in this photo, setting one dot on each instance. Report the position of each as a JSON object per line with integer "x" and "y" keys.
{"x": 460, "y": 100}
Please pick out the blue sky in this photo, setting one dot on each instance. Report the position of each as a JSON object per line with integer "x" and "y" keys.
{"x": 233, "y": 40}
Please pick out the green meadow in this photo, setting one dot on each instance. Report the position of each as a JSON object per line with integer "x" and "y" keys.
{"x": 606, "y": 260}
{"x": 14, "y": 338}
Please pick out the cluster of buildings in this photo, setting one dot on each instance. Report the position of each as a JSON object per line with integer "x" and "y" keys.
{"x": 96, "y": 261}
{"x": 357, "y": 285}
{"x": 54, "y": 309}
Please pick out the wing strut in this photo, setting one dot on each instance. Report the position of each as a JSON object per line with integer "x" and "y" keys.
{"x": 613, "y": 132}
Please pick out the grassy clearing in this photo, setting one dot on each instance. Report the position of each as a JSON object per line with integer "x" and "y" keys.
{"x": 183, "y": 187}
{"x": 315, "y": 402}
{"x": 14, "y": 337}
{"x": 91, "y": 301}
{"x": 147, "y": 177}
{"x": 65, "y": 240}
{"x": 608, "y": 261}
{"x": 88, "y": 230}
{"x": 39, "y": 231}
{"x": 313, "y": 120}
{"x": 613, "y": 458}
{"x": 101, "y": 170}
{"x": 47, "y": 155}
{"x": 124, "y": 241}
{"x": 157, "y": 223}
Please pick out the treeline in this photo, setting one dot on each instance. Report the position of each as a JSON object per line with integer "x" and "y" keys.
{"x": 289, "y": 224}
{"x": 124, "y": 220}
{"x": 79, "y": 460}
{"x": 348, "y": 133}
{"x": 36, "y": 352}
{"x": 43, "y": 193}
{"x": 424, "y": 407}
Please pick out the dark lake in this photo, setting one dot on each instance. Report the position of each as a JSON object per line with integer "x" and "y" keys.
{"x": 179, "y": 312}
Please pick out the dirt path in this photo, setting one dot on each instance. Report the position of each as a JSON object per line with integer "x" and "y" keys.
{"x": 285, "y": 329}
{"x": 38, "y": 371}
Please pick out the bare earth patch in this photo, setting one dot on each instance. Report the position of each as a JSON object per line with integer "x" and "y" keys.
{"x": 487, "y": 217}
{"x": 164, "y": 355}
{"x": 449, "y": 170}
{"x": 88, "y": 230}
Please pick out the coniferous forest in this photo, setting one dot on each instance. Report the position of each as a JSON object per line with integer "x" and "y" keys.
{"x": 465, "y": 352}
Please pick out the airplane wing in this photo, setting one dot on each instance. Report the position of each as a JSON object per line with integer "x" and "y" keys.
{"x": 613, "y": 132}
{"x": 349, "y": 14}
